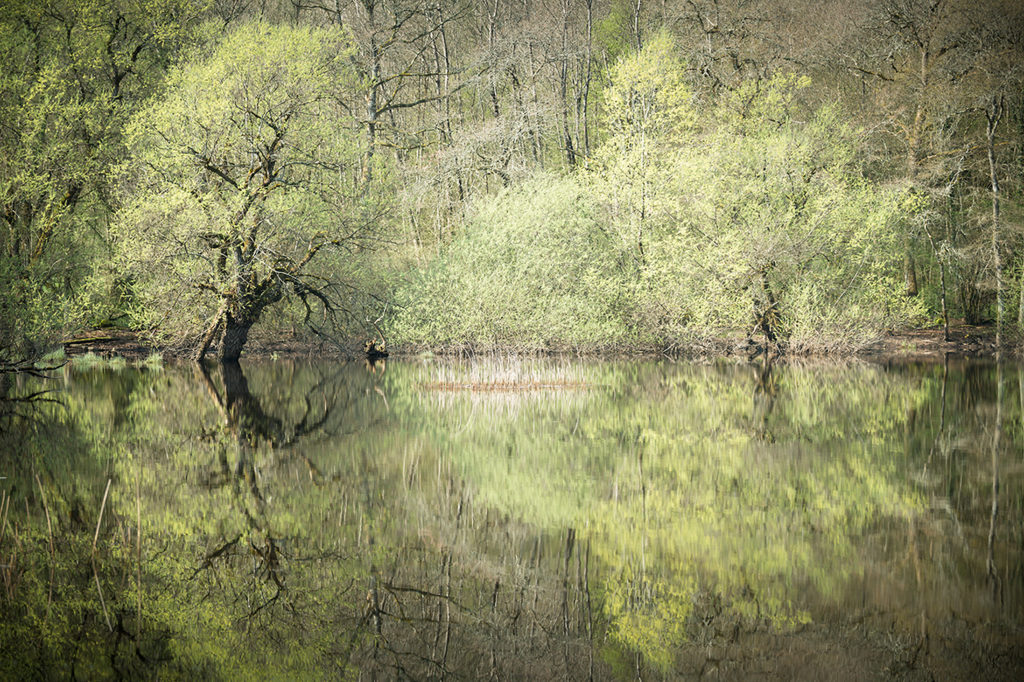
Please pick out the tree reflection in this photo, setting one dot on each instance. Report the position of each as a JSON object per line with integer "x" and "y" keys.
{"x": 731, "y": 524}
{"x": 305, "y": 520}
{"x": 23, "y": 391}
{"x": 765, "y": 391}
{"x": 990, "y": 560}
{"x": 249, "y": 427}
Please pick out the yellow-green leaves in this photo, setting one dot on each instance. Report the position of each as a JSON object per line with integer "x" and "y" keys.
{"x": 242, "y": 171}
{"x": 71, "y": 74}
{"x": 761, "y": 221}
{"x": 647, "y": 115}
{"x": 534, "y": 270}
{"x": 648, "y": 97}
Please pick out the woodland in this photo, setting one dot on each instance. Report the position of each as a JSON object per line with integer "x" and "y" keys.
{"x": 524, "y": 175}
{"x": 506, "y": 179}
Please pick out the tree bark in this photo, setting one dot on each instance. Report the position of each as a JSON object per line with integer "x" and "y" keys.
{"x": 637, "y": 9}
{"x": 570, "y": 151}
{"x": 992, "y": 115}
{"x": 210, "y": 336}
{"x": 1020, "y": 303}
{"x": 588, "y": 57}
{"x": 236, "y": 333}
{"x": 768, "y": 317}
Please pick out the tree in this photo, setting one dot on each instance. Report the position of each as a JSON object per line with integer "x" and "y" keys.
{"x": 772, "y": 217}
{"x": 533, "y": 270}
{"x": 71, "y": 74}
{"x": 247, "y": 172}
{"x": 924, "y": 62}
{"x": 647, "y": 115}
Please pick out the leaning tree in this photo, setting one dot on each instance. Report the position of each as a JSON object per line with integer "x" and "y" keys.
{"x": 245, "y": 175}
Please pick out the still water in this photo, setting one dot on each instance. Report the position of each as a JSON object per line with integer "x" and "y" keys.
{"x": 514, "y": 519}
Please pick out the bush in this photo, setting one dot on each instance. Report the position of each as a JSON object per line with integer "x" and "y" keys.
{"x": 533, "y": 270}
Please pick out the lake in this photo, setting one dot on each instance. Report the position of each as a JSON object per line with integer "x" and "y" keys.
{"x": 514, "y": 518}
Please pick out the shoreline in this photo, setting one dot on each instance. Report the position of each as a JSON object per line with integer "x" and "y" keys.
{"x": 915, "y": 345}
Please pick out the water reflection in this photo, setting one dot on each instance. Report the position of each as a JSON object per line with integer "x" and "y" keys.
{"x": 517, "y": 519}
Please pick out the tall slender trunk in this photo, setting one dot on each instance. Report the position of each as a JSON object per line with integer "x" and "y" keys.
{"x": 909, "y": 268}
{"x": 913, "y": 154}
{"x": 948, "y": 243}
{"x": 1020, "y": 302}
{"x": 588, "y": 56}
{"x": 372, "y": 114}
{"x": 492, "y": 29}
{"x": 940, "y": 259}
{"x": 570, "y": 152}
{"x": 535, "y": 126}
{"x": 993, "y": 113}
{"x": 942, "y": 292}
{"x": 637, "y": 9}
{"x": 643, "y": 198}
{"x": 372, "y": 94}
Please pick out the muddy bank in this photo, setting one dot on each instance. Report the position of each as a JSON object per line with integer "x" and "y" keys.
{"x": 965, "y": 341}
{"x": 135, "y": 347}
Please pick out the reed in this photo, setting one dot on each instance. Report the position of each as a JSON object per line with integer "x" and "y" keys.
{"x": 53, "y": 553}
{"x": 95, "y": 571}
{"x": 509, "y": 373}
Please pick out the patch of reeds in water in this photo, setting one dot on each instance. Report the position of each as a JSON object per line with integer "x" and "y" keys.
{"x": 501, "y": 386}
{"x": 506, "y": 374}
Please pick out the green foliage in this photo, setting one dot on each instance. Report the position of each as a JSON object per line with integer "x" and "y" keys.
{"x": 703, "y": 488}
{"x": 756, "y": 220}
{"x": 533, "y": 270}
{"x": 708, "y": 501}
{"x": 612, "y": 32}
{"x": 679, "y": 121}
{"x": 243, "y": 172}
{"x": 71, "y": 73}
{"x": 759, "y": 221}
{"x": 647, "y": 100}
{"x": 164, "y": 595}
{"x": 648, "y": 115}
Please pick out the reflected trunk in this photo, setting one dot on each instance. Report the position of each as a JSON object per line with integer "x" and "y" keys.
{"x": 990, "y": 561}
{"x": 437, "y": 534}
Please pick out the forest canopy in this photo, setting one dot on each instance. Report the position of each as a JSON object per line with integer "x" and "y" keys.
{"x": 541, "y": 175}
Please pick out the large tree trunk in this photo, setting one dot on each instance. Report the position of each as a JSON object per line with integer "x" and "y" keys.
{"x": 236, "y": 333}
{"x": 241, "y": 313}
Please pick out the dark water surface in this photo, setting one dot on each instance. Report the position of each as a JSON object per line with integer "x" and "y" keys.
{"x": 525, "y": 519}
